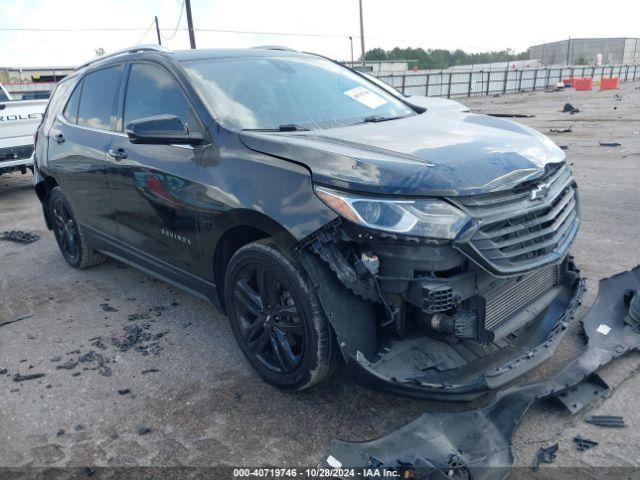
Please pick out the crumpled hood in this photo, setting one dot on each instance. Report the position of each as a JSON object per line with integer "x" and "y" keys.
{"x": 452, "y": 153}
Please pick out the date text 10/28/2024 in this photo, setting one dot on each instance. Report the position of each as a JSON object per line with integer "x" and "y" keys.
{"x": 315, "y": 473}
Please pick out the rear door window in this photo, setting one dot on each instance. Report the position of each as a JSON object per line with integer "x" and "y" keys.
{"x": 153, "y": 91}
{"x": 97, "y": 103}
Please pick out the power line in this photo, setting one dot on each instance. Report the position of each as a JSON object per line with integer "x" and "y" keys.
{"x": 146, "y": 31}
{"x": 213, "y": 30}
{"x": 177, "y": 25}
{"x": 251, "y": 32}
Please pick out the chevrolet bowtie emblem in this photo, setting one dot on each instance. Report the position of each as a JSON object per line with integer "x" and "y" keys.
{"x": 540, "y": 192}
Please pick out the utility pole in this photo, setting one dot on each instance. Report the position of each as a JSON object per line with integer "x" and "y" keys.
{"x": 364, "y": 65}
{"x": 158, "y": 32}
{"x": 351, "y": 41}
{"x": 568, "y": 50}
{"x": 192, "y": 38}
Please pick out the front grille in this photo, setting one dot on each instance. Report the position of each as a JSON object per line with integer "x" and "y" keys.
{"x": 15, "y": 153}
{"x": 526, "y": 227}
{"x": 506, "y": 301}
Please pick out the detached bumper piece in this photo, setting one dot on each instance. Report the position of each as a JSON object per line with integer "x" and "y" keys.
{"x": 477, "y": 444}
{"x": 521, "y": 336}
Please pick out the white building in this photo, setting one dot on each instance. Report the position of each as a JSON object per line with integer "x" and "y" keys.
{"x": 497, "y": 66}
{"x": 381, "y": 67}
{"x": 32, "y": 80}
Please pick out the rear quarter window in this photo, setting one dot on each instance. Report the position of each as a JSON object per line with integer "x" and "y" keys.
{"x": 57, "y": 101}
{"x": 71, "y": 110}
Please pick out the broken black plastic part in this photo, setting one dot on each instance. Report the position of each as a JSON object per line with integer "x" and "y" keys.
{"x": 583, "y": 444}
{"x": 613, "y": 421}
{"x": 577, "y": 397}
{"x": 23, "y": 378}
{"x": 570, "y": 108}
{"x": 20, "y": 236}
{"x": 482, "y": 439}
{"x": 610, "y": 144}
{"x": 510, "y": 115}
{"x": 545, "y": 455}
{"x": 14, "y": 320}
{"x": 632, "y": 298}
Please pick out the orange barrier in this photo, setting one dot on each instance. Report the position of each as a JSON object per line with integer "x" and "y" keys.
{"x": 612, "y": 83}
{"x": 583, "y": 83}
{"x": 568, "y": 82}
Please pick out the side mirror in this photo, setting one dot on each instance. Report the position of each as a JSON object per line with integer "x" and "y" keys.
{"x": 161, "y": 130}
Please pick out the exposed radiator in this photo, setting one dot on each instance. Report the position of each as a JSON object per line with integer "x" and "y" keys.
{"x": 507, "y": 300}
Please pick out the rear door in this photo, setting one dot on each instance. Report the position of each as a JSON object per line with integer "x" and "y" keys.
{"x": 78, "y": 142}
{"x": 153, "y": 186}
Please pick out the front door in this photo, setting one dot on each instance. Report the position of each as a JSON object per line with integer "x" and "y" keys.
{"x": 153, "y": 186}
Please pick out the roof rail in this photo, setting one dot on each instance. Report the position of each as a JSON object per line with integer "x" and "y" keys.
{"x": 274, "y": 47}
{"x": 139, "y": 48}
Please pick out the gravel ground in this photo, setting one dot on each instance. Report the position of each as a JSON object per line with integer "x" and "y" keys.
{"x": 137, "y": 373}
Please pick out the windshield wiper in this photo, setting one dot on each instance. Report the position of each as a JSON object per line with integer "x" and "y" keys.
{"x": 291, "y": 127}
{"x": 380, "y": 118}
{"x": 287, "y": 127}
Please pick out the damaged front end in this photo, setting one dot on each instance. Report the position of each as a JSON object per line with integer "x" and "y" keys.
{"x": 478, "y": 444}
{"x": 448, "y": 298}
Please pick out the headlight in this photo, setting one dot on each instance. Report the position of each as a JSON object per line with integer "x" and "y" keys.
{"x": 420, "y": 218}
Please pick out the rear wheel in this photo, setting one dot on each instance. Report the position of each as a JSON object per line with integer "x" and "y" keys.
{"x": 68, "y": 232}
{"x": 277, "y": 318}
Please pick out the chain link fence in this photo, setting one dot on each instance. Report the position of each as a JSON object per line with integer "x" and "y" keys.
{"x": 452, "y": 84}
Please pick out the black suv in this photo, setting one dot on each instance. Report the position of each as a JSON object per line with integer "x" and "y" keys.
{"x": 329, "y": 219}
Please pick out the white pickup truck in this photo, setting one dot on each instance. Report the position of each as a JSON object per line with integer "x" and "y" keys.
{"x": 19, "y": 120}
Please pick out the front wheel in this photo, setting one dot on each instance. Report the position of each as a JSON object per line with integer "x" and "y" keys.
{"x": 277, "y": 318}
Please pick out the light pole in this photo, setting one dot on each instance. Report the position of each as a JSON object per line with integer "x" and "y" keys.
{"x": 351, "y": 42}
{"x": 364, "y": 68}
{"x": 192, "y": 38}
{"x": 158, "y": 32}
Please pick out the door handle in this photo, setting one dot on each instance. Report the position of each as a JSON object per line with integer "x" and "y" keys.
{"x": 117, "y": 154}
{"x": 59, "y": 138}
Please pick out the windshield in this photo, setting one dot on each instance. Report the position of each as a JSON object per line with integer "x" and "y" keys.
{"x": 3, "y": 96}
{"x": 305, "y": 92}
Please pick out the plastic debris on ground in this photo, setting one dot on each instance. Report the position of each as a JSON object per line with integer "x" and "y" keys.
{"x": 19, "y": 236}
{"x": 545, "y": 455}
{"x": 568, "y": 108}
{"x": 613, "y": 421}
{"x": 583, "y": 444}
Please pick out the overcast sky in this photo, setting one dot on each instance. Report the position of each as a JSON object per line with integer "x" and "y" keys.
{"x": 467, "y": 24}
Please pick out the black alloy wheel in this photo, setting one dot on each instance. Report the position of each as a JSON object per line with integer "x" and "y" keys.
{"x": 269, "y": 319}
{"x": 69, "y": 234}
{"x": 66, "y": 231}
{"x": 277, "y": 318}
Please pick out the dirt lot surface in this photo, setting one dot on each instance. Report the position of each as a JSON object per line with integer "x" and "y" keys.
{"x": 135, "y": 372}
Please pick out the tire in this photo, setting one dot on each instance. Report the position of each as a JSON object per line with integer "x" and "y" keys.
{"x": 69, "y": 235}
{"x": 277, "y": 318}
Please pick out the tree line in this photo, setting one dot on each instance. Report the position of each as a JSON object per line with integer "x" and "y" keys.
{"x": 440, "y": 59}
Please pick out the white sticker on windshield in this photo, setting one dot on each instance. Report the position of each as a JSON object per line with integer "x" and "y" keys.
{"x": 365, "y": 97}
{"x": 603, "y": 329}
